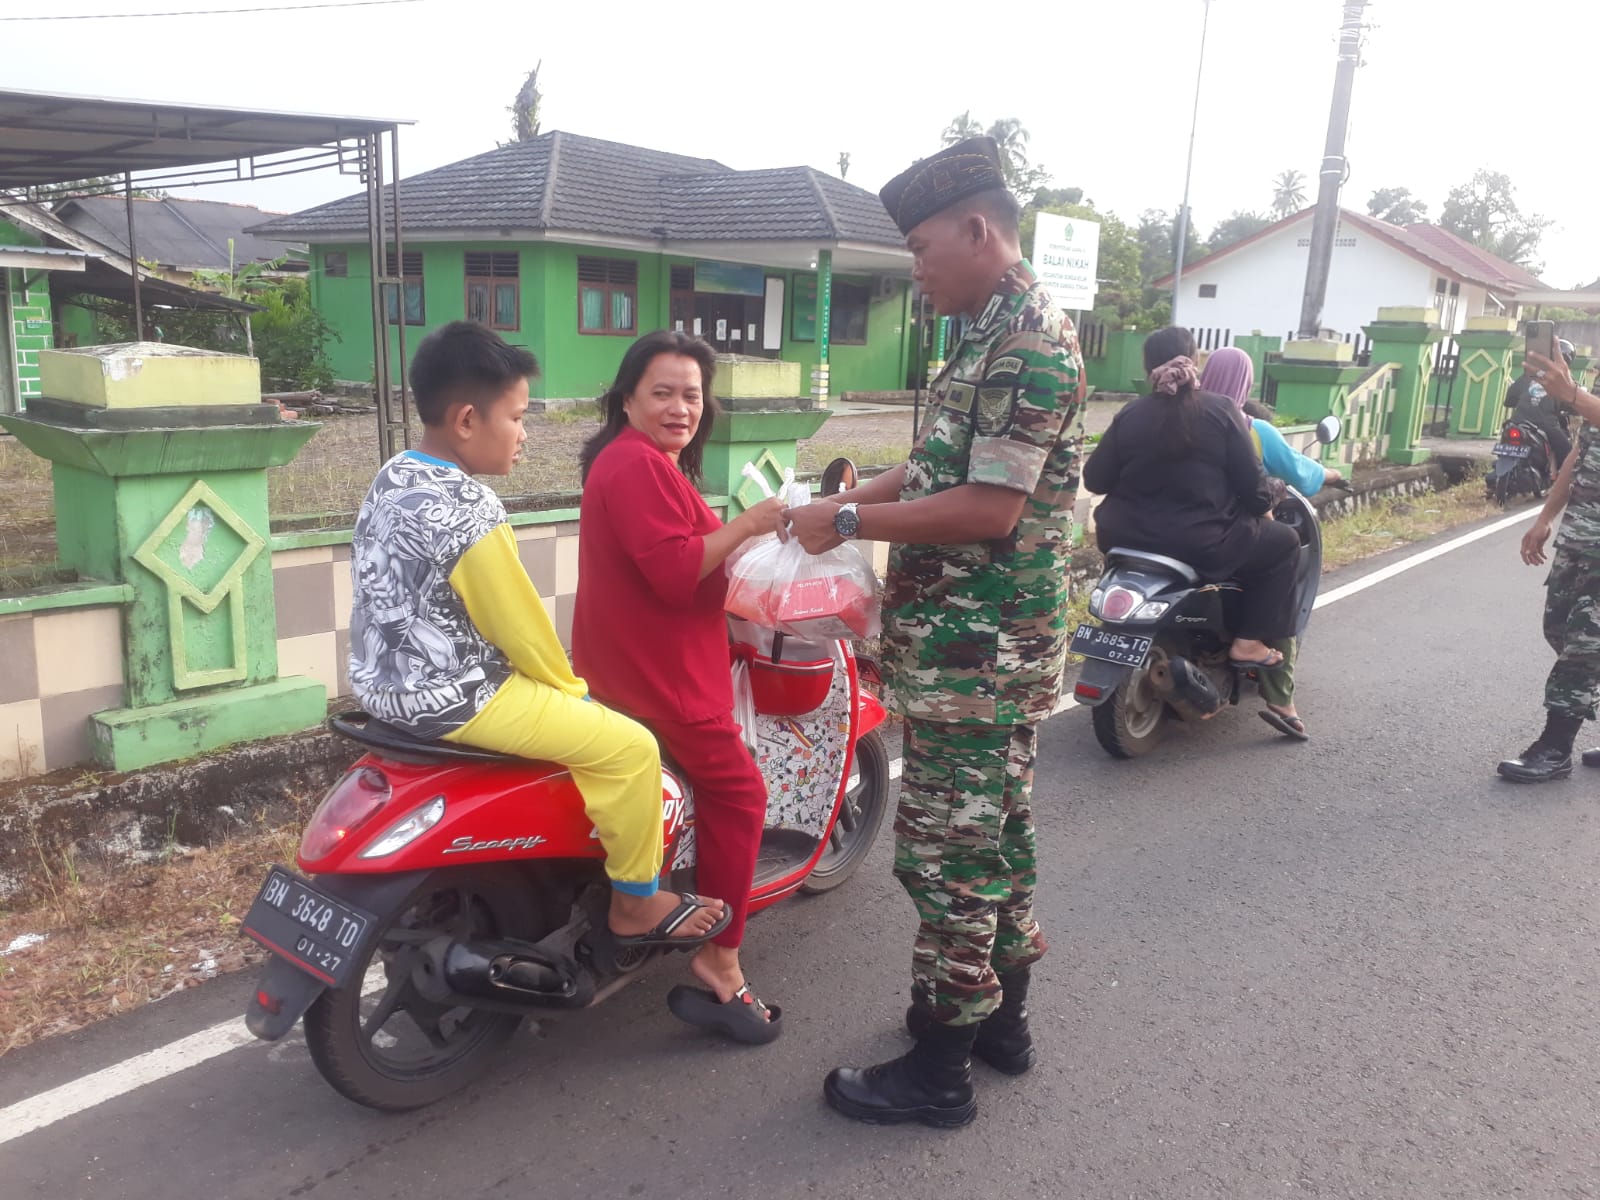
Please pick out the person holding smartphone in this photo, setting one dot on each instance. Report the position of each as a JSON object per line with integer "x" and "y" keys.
{"x": 1528, "y": 398}
{"x": 1572, "y": 590}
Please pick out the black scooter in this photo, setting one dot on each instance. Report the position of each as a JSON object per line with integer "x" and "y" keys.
{"x": 1160, "y": 651}
{"x": 1522, "y": 463}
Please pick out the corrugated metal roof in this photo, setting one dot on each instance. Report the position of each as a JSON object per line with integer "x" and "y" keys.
{"x": 185, "y": 234}
{"x": 48, "y": 138}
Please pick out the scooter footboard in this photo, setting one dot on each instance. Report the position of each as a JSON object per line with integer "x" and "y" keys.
{"x": 1098, "y": 681}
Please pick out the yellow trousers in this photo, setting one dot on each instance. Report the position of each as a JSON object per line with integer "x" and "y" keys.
{"x": 614, "y": 761}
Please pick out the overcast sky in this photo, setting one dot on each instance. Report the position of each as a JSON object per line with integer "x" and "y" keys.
{"x": 1104, "y": 87}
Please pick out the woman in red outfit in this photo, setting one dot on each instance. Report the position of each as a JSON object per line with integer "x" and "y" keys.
{"x": 650, "y": 636}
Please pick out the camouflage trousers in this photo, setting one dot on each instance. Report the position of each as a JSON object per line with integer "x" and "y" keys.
{"x": 1572, "y": 627}
{"x": 964, "y": 851}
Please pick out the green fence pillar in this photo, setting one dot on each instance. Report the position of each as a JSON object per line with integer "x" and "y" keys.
{"x": 1406, "y": 336}
{"x": 1482, "y": 376}
{"x": 763, "y": 419}
{"x": 159, "y": 458}
{"x": 1314, "y": 379}
{"x": 1258, "y": 345}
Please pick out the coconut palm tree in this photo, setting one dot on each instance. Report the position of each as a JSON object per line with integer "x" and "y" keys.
{"x": 962, "y": 128}
{"x": 1022, "y": 177}
{"x": 1288, "y": 193}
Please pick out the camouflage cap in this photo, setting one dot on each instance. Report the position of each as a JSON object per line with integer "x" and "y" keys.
{"x": 934, "y": 184}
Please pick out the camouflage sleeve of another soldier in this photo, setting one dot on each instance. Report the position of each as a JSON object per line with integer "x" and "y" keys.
{"x": 1029, "y": 417}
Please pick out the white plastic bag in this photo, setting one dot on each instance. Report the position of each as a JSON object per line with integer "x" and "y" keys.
{"x": 777, "y": 585}
{"x": 744, "y": 702}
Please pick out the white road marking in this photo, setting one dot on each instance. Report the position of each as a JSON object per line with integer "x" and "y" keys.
{"x": 74, "y": 1097}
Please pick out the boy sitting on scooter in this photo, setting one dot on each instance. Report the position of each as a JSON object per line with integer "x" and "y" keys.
{"x": 449, "y": 639}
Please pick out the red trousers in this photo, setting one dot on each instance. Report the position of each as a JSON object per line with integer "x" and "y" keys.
{"x": 730, "y": 810}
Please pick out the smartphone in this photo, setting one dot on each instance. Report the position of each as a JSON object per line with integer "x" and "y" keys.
{"x": 1542, "y": 338}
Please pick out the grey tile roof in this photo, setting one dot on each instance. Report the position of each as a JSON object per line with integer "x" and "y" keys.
{"x": 562, "y": 181}
{"x": 185, "y": 234}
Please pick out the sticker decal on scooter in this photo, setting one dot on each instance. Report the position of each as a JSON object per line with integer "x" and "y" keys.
{"x": 465, "y": 845}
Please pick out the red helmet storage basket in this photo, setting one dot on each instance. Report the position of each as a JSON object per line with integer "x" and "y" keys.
{"x": 788, "y": 676}
{"x": 789, "y": 689}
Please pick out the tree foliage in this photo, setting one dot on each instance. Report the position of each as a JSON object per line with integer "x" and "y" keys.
{"x": 1288, "y": 194}
{"x": 1397, "y": 206}
{"x": 99, "y": 185}
{"x": 1484, "y": 211}
{"x": 1235, "y": 229}
{"x": 524, "y": 108}
{"x": 1022, "y": 177}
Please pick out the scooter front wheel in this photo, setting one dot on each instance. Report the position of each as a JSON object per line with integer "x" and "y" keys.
{"x": 379, "y": 1041}
{"x": 866, "y": 799}
{"x": 1133, "y": 721}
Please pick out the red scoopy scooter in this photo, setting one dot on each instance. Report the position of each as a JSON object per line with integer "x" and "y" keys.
{"x": 454, "y": 890}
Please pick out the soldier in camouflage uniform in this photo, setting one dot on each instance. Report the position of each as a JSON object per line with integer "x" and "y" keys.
{"x": 1572, "y": 591}
{"x": 975, "y": 631}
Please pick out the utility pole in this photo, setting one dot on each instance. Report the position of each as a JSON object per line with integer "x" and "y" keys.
{"x": 1188, "y": 171}
{"x": 1332, "y": 175}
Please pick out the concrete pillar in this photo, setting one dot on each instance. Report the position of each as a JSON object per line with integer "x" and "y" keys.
{"x": 1406, "y": 336}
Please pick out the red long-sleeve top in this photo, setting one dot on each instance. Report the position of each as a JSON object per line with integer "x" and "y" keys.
{"x": 648, "y": 634}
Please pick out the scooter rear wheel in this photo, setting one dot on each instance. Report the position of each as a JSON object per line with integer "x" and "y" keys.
{"x": 394, "y": 1050}
{"x": 1133, "y": 721}
{"x": 860, "y": 817}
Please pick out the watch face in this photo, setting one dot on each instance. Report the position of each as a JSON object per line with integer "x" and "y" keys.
{"x": 845, "y": 522}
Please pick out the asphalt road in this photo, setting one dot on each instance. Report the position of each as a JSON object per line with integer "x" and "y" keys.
{"x": 1358, "y": 967}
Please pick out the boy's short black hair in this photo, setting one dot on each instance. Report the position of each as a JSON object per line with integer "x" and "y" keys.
{"x": 464, "y": 363}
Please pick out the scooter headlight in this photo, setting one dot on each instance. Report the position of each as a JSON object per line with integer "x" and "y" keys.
{"x": 407, "y": 831}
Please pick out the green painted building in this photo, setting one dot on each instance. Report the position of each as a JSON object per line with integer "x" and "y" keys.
{"x": 574, "y": 246}
{"x": 25, "y": 312}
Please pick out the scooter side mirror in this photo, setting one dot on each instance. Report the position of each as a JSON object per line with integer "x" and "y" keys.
{"x": 1329, "y": 429}
{"x": 840, "y": 476}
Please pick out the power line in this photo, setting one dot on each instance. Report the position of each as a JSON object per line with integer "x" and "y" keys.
{"x": 210, "y": 12}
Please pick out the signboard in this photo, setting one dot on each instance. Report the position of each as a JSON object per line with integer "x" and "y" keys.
{"x": 729, "y": 279}
{"x": 1066, "y": 256}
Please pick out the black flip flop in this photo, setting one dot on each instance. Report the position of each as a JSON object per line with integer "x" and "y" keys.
{"x": 661, "y": 935}
{"x": 1288, "y": 726}
{"x": 744, "y": 1018}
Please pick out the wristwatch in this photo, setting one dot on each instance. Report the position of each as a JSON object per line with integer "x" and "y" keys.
{"x": 846, "y": 522}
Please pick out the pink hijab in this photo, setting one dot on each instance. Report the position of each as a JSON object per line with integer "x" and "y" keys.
{"x": 1229, "y": 372}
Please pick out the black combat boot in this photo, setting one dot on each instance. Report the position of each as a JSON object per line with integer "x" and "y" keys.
{"x": 1003, "y": 1038}
{"x": 931, "y": 1083}
{"x": 1548, "y": 758}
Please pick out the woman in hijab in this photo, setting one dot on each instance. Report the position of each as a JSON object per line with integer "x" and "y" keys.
{"x": 1230, "y": 373}
{"x": 1181, "y": 477}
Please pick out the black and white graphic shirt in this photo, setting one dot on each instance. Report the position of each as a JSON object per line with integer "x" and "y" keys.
{"x": 417, "y": 661}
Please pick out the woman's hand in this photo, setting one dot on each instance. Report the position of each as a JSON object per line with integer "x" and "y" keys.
{"x": 763, "y": 518}
{"x": 1533, "y": 543}
{"x": 1332, "y": 475}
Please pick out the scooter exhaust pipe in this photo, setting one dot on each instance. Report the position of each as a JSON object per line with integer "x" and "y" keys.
{"x": 520, "y": 975}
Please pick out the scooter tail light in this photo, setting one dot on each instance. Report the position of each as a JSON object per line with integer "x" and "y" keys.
{"x": 352, "y": 802}
{"x": 1513, "y": 434}
{"x": 1118, "y": 603}
{"x": 1087, "y": 690}
{"x": 401, "y": 835}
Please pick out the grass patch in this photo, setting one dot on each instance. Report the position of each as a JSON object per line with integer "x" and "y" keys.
{"x": 117, "y": 939}
{"x": 816, "y": 454}
{"x": 1401, "y": 520}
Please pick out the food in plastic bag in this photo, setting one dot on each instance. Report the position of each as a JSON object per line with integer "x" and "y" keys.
{"x": 777, "y": 585}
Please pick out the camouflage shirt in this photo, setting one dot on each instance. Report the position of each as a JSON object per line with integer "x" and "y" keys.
{"x": 1580, "y": 528}
{"x": 976, "y": 633}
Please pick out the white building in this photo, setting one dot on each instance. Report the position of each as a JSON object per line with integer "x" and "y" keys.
{"x": 1257, "y": 284}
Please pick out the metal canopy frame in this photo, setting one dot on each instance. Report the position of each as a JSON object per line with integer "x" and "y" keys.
{"x": 48, "y": 139}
